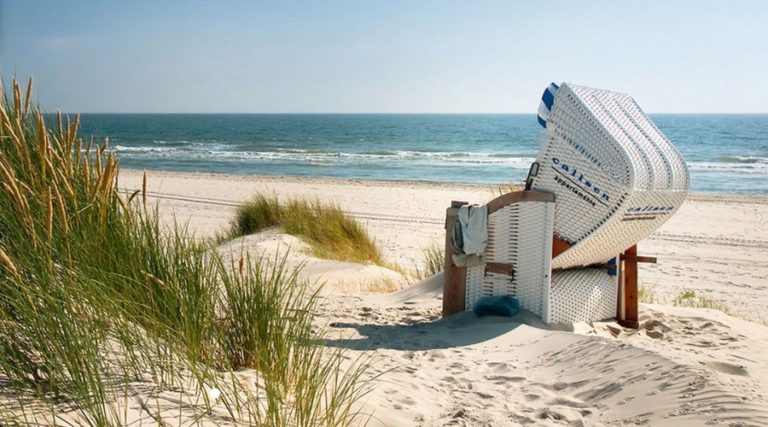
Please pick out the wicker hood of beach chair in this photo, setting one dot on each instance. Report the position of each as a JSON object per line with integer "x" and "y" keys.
{"x": 616, "y": 178}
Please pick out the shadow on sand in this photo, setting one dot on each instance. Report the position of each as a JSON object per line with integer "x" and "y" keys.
{"x": 458, "y": 330}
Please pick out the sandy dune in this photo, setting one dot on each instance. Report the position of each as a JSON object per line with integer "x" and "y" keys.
{"x": 683, "y": 367}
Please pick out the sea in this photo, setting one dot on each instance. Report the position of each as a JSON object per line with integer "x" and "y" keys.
{"x": 726, "y": 153}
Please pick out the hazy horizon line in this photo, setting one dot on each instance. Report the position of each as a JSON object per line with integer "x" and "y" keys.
{"x": 389, "y": 113}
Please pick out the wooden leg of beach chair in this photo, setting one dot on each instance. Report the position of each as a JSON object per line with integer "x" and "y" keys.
{"x": 454, "y": 277}
{"x": 628, "y": 314}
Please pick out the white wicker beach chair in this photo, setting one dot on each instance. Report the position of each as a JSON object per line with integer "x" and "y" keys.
{"x": 604, "y": 179}
{"x": 616, "y": 178}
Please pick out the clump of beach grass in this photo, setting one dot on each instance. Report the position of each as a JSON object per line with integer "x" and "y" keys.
{"x": 433, "y": 262}
{"x": 686, "y": 298}
{"x": 97, "y": 296}
{"x": 331, "y": 233}
{"x": 689, "y": 298}
{"x": 647, "y": 294}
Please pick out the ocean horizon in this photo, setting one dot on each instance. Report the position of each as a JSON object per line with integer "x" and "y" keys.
{"x": 727, "y": 153}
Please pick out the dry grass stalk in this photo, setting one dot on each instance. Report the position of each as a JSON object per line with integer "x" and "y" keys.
{"x": 49, "y": 216}
{"x": 144, "y": 190}
{"x": 62, "y": 162}
{"x": 65, "y": 182}
{"x": 49, "y": 165}
{"x": 17, "y": 98}
{"x": 10, "y": 183}
{"x": 99, "y": 166}
{"x": 65, "y": 135}
{"x": 20, "y": 132}
{"x": 133, "y": 196}
{"x": 55, "y": 143}
{"x": 153, "y": 278}
{"x": 72, "y": 133}
{"x": 108, "y": 178}
{"x": 11, "y": 191}
{"x": 123, "y": 204}
{"x": 88, "y": 149}
{"x": 42, "y": 148}
{"x": 8, "y": 263}
{"x": 79, "y": 152}
{"x": 59, "y": 123}
{"x": 28, "y": 96}
{"x": 87, "y": 161}
{"x": 7, "y": 124}
{"x": 62, "y": 209}
{"x": 100, "y": 178}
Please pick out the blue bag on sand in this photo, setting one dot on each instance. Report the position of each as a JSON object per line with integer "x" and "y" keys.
{"x": 502, "y": 305}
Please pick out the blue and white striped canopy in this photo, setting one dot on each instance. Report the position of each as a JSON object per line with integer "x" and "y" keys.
{"x": 547, "y": 99}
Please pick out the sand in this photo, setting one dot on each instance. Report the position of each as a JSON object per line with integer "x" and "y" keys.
{"x": 685, "y": 366}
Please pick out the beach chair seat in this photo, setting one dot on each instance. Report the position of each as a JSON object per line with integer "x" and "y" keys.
{"x": 517, "y": 262}
{"x": 518, "y": 251}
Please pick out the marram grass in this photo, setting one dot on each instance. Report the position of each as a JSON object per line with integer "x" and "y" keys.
{"x": 97, "y": 298}
{"x": 433, "y": 263}
{"x": 331, "y": 233}
{"x": 689, "y": 298}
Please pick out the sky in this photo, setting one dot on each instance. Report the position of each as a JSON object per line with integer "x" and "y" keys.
{"x": 394, "y": 56}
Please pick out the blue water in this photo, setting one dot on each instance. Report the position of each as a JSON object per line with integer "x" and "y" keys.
{"x": 726, "y": 153}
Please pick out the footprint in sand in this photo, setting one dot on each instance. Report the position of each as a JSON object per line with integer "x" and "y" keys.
{"x": 390, "y": 390}
{"x": 626, "y": 400}
{"x": 436, "y": 354}
{"x": 450, "y": 380}
{"x": 531, "y": 397}
{"x": 727, "y": 368}
{"x": 600, "y": 393}
{"x": 503, "y": 379}
{"x": 457, "y": 367}
{"x": 498, "y": 367}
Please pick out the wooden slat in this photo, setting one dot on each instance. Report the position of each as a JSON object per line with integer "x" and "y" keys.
{"x": 455, "y": 278}
{"x": 629, "y": 315}
{"x": 500, "y": 268}
{"x": 643, "y": 259}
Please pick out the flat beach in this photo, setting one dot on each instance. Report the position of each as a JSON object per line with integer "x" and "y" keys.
{"x": 684, "y": 366}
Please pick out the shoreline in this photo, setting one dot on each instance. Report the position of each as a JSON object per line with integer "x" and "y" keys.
{"x": 697, "y": 196}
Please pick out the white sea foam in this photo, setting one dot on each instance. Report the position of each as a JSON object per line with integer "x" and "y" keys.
{"x": 128, "y": 149}
{"x": 751, "y": 168}
{"x": 212, "y": 151}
